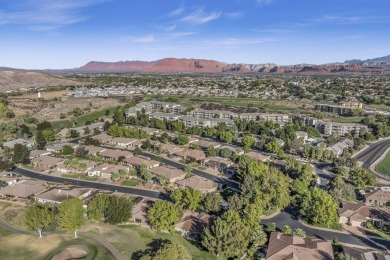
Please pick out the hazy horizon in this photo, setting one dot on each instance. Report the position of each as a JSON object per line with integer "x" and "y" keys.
{"x": 60, "y": 34}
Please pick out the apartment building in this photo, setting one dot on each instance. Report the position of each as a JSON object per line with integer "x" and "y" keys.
{"x": 208, "y": 114}
{"x": 333, "y": 109}
{"x": 353, "y": 105}
{"x": 162, "y": 116}
{"x": 160, "y": 105}
{"x": 339, "y": 128}
{"x": 276, "y": 118}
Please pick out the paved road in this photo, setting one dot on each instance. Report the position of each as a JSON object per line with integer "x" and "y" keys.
{"x": 93, "y": 185}
{"x": 98, "y": 239}
{"x": 371, "y": 154}
{"x": 284, "y": 218}
{"x": 220, "y": 180}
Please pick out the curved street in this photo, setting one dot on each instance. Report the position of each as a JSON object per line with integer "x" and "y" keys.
{"x": 372, "y": 154}
{"x": 93, "y": 185}
{"x": 284, "y": 218}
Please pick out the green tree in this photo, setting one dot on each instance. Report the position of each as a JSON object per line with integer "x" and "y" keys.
{"x": 273, "y": 146}
{"x": 97, "y": 206}
{"x": 143, "y": 173}
{"x": 299, "y": 232}
{"x": 319, "y": 207}
{"x": 211, "y": 151}
{"x": 163, "y": 215}
{"x": 248, "y": 141}
{"x": 71, "y": 215}
{"x": 287, "y": 230}
{"x": 161, "y": 250}
{"x": 361, "y": 178}
{"x": 21, "y": 153}
{"x": 211, "y": 203}
{"x": 48, "y": 135}
{"x": 72, "y": 133}
{"x": 225, "y": 153}
{"x": 118, "y": 209}
{"x": 271, "y": 227}
{"x": 182, "y": 140}
{"x": 67, "y": 150}
{"x": 36, "y": 218}
{"x": 226, "y": 137}
{"x": 187, "y": 198}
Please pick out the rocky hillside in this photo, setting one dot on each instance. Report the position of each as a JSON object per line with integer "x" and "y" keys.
{"x": 172, "y": 65}
{"x": 169, "y": 65}
{"x": 11, "y": 79}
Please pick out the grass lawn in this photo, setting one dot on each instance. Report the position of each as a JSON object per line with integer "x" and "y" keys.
{"x": 379, "y": 233}
{"x": 383, "y": 167}
{"x": 60, "y": 124}
{"x": 12, "y": 213}
{"x": 131, "y": 238}
{"x": 81, "y": 120}
{"x": 335, "y": 226}
{"x": 81, "y": 177}
{"x": 130, "y": 183}
{"x": 353, "y": 119}
{"x": 15, "y": 247}
{"x": 94, "y": 250}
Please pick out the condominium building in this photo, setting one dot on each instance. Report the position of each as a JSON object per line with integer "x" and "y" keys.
{"x": 329, "y": 128}
{"x": 207, "y": 114}
{"x": 162, "y": 116}
{"x": 334, "y": 109}
{"x": 353, "y": 105}
{"x": 276, "y": 118}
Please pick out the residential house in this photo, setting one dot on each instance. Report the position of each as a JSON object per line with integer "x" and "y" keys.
{"x": 106, "y": 170}
{"x": 171, "y": 174}
{"x": 65, "y": 169}
{"x": 198, "y": 183}
{"x": 47, "y": 162}
{"x": 23, "y": 189}
{"x": 170, "y": 149}
{"x": 234, "y": 150}
{"x": 206, "y": 144}
{"x": 281, "y": 247}
{"x": 217, "y": 163}
{"x": 356, "y": 253}
{"x": 122, "y": 141}
{"x": 338, "y": 148}
{"x": 258, "y": 156}
{"x": 192, "y": 223}
{"x": 115, "y": 155}
{"x": 25, "y": 142}
{"x": 102, "y": 138}
{"x": 58, "y": 148}
{"x": 138, "y": 161}
{"x": 191, "y": 155}
{"x": 8, "y": 179}
{"x": 356, "y": 214}
{"x": 379, "y": 197}
{"x": 94, "y": 150}
{"x": 58, "y": 195}
{"x": 38, "y": 153}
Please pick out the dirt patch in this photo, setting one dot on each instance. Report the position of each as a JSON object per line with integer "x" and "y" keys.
{"x": 71, "y": 253}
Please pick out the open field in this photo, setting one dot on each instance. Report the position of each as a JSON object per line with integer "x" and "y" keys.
{"x": 353, "y": 119}
{"x": 12, "y": 212}
{"x": 383, "y": 167}
{"x": 131, "y": 238}
{"x": 15, "y": 247}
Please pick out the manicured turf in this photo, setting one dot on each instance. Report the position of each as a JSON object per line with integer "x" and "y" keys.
{"x": 130, "y": 238}
{"x": 94, "y": 250}
{"x": 81, "y": 120}
{"x": 353, "y": 119}
{"x": 130, "y": 183}
{"x": 383, "y": 167}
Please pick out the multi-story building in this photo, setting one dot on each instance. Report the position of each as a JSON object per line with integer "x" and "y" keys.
{"x": 309, "y": 121}
{"x": 353, "y": 105}
{"x": 248, "y": 116}
{"x": 208, "y": 114}
{"x": 162, "y": 116}
{"x": 334, "y": 109}
{"x": 166, "y": 106}
{"x": 329, "y": 128}
{"x": 177, "y": 110}
{"x": 276, "y": 118}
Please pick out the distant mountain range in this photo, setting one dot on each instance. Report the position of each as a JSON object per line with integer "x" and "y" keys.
{"x": 173, "y": 65}
{"x": 379, "y": 59}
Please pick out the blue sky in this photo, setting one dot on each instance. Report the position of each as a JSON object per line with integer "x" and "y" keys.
{"x": 54, "y": 34}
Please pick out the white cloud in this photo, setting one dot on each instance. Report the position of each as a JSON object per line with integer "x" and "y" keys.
{"x": 176, "y": 12}
{"x": 46, "y": 15}
{"x": 200, "y": 17}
